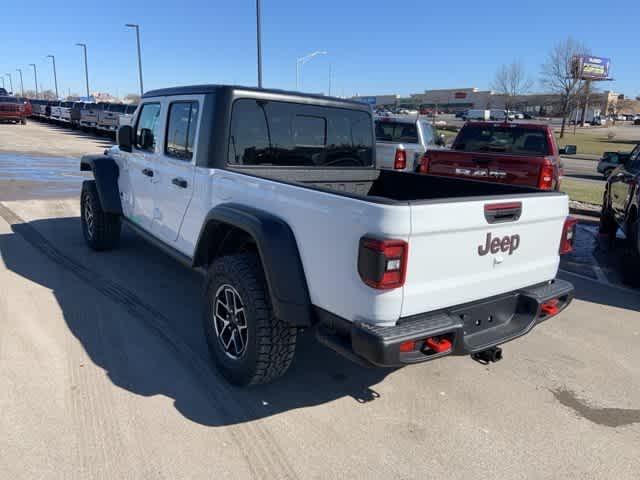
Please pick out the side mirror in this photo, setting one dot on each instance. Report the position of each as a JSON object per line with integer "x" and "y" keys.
{"x": 146, "y": 139}
{"x": 442, "y": 140}
{"x": 125, "y": 138}
{"x": 570, "y": 150}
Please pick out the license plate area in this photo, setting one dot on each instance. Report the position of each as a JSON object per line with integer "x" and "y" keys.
{"x": 489, "y": 314}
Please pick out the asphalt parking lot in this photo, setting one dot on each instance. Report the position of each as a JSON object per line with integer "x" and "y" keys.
{"x": 104, "y": 371}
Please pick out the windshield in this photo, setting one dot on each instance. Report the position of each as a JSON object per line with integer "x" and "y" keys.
{"x": 502, "y": 139}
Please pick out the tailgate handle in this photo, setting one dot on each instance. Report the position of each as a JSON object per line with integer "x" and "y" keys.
{"x": 502, "y": 212}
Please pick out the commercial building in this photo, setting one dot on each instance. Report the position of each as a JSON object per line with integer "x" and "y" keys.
{"x": 453, "y": 100}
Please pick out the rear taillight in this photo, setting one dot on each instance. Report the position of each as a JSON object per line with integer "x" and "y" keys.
{"x": 545, "y": 180}
{"x": 382, "y": 264}
{"x": 424, "y": 163}
{"x": 568, "y": 235}
{"x": 400, "y": 161}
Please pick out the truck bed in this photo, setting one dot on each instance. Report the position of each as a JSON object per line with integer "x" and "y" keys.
{"x": 388, "y": 186}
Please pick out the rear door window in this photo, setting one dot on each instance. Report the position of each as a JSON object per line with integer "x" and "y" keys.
{"x": 396, "y": 132}
{"x": 502, "y": 139}
{"x": 181, "y": 130}
{"x": 296, "y": 135}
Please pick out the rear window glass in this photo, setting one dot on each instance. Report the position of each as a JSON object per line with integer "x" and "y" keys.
{"x": 399, "y": 132}
{"x": 296, "y": 135}
{"x": 502, "y": 139}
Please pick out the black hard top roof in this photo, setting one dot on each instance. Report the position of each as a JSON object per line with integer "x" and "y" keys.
{"x": 260, "y": 92}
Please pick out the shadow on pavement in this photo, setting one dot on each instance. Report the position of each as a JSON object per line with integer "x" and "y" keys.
{"x": 164, "y": 299}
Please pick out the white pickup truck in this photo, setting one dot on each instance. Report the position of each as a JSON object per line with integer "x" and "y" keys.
{"x": 276, "y": 198}
{"x": 401, "y": 141}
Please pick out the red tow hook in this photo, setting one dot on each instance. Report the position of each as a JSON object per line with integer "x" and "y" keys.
{"x": 550, "y": 307}
{"x": 438, "y": 345}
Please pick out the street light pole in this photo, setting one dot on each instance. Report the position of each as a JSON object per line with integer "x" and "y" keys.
{"x": 10, "y": 81}
{"x": 300, "y": 63}
{"x": 259, "y": 42}
{"x": 35, "y": 76}
{"x": 55, "y": 75}
{"x": 137, "y": 27}
{"x": 21, "y": 84}
{"x": 86, "y": 67}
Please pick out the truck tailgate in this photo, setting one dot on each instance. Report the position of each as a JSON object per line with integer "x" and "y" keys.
{"x": 456, "y": 255}
{"x": 496, "y": 167}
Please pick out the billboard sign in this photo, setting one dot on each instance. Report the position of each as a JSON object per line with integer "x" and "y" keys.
{"x": 368, "y": 100}
{"x": 588, "y": 67}
{"x": 460, "y": 95}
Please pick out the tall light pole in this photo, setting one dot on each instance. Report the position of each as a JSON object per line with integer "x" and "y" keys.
{"x": 21, "y": 84}
{"x": 3, "y": 85}
{"x": 55, "y": 74}
{"x": 137, "y": 27}
{"x": 259, "y": 42}
{"x": 86, "y": 68}
{"x": 35, "y": 76}
{"x": 300, "y": 63}
{"x": 10, "y": 81}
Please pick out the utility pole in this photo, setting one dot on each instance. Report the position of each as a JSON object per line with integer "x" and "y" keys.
{"x": 587, "y": 92}
{"x": 35, "y": 76}
{"x": 55, "y": 74}
{"x": 21, "y": 84}
{"x": 259, "y": 42}
{"x": 137, "y": 27}
{"x": 86, "y": 68}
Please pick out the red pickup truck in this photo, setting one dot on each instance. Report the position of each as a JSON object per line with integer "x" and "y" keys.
{"x": 505, "y": 152}
{"x": 13, "y": 109}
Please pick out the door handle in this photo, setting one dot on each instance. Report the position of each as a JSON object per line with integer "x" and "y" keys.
{"x": 179, "y": 182}
{"x": 148, "y": 172}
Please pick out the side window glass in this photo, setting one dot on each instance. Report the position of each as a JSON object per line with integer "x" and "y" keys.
{"x": 249, "y": 141}
{"x": 181, "y": 130}
{"x": 147, "y": 127}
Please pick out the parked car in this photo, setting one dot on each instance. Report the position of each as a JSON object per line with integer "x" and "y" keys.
{"x": 475, "y": 114}
{"x": 56, "y": 111}
{"x": 89, "y": 115}
{"x": 461, "y": 114}
{"x": 75, "y": 114}
{"x": 109, "y": 116}
{"x": 13, "y": 110}
{"x": 621, "y": 207}
{"x": 610, "y": 161}
{"x": 512, "y": 153}
{"x": 276, "y": 198}
{"x": 401, "y": 142}
{"x": 636, "y": 121}
{"x": 65, "y": 112}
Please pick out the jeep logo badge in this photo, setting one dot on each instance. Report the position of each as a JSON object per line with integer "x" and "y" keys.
{"x": 505, "y": 244}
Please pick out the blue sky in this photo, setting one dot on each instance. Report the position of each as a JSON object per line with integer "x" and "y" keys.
{"x": 374, "y": 46}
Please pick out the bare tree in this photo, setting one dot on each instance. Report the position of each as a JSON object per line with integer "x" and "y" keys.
{"x": 132, "y": 98}
{"x": 511, "y": 82}
{"x": 43, "y": 95}
{"x": 558, "y": 76}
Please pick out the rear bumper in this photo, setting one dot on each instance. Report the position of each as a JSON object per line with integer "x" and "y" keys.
{"x": 469, "y": 328}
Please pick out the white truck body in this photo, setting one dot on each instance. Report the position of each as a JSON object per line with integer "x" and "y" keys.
{"x": 420, "y": 137}
{"x": 397, "y": 263}
{"x": 444, "y": 268}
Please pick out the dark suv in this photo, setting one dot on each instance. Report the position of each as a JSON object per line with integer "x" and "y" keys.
{"x": 621, "y": 202}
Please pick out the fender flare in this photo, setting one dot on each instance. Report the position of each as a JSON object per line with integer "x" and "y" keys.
{"x": 278, "y": 251}
{"x": 105, "y": 171}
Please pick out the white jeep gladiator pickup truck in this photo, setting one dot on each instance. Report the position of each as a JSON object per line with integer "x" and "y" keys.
{"x": 276, "y": 198}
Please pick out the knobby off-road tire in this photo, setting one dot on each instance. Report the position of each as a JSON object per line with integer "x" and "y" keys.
{"x": 608, "y": 225}
{"x": 237, "y": 305}
{"x": 631, "y": 259}
{"x": 101, "y": 230}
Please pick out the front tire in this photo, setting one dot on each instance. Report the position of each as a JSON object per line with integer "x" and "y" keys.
{"x": 101, "y": 230}
{"x": 247, "y": 343}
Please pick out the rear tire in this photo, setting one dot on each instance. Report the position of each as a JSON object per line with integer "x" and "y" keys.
{"x": 101, "y": 230}
{"x": 247, "y": 343}
{"x": 631, "y": 259}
